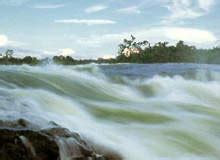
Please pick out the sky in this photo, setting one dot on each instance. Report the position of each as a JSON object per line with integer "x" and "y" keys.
{"x": 94, "y": 28}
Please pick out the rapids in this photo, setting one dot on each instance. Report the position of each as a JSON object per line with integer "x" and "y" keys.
{"x": 155, "y": 112}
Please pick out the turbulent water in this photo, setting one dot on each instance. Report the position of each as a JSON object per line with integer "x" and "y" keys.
{"x": 155, "y": 112}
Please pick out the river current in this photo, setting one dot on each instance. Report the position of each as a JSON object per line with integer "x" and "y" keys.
{"x": 152, "y": 111}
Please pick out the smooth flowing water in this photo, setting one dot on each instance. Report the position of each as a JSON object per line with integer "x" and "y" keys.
{"x": 155, "y": 112}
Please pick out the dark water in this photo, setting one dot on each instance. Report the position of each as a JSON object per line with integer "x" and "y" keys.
{"x": 149, "y": 70}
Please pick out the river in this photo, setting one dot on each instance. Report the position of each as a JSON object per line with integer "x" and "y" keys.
{"x": 152, "y": 111}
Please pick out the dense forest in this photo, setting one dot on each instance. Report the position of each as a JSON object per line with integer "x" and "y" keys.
{"x": 131, "y": 51}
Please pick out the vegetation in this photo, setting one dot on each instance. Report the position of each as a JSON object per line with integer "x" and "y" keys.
{"x": 162, "y": 52}
{"x": 131, "y": 51}
{"x": 8, "y": 59}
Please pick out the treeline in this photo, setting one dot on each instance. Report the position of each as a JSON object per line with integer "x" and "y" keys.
{"x": 68, "y": 60}
{"x": 8, "y": 59}
{"x": 131, "y": 51}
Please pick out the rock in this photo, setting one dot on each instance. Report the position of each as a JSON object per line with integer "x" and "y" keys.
{"x": 108, "y": 154}
{"x": 26, "y": 144}
{"x": 25, "y": 141}
{"x": 19, "y": 124}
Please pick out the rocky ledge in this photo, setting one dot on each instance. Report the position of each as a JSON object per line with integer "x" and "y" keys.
{"x": 22, "y": 140}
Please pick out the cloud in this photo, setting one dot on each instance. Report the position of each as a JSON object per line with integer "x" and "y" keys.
{"x": 130, "y": 10}
{"x": 108, "y": 56}
{"x": 17, "y": 44}
{"x": 86, "y": 21}
{"x": 95, "y": 8}
{"x": 206, "y": 4}
{"x": 66, "y": 52}
{"x": 196, "y": 35}
{"x": 187, "y": 9}
{"x": 3, "y": 40}
{"x": 199, "y": 37}
{"x": 98, "y": 40}
{"x": 49, "y": 6}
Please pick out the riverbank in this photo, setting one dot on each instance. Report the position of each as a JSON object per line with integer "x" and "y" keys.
{"x": 130, "y": 52}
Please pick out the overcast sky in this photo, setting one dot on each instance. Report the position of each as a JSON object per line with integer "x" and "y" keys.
{"x": 94, "y": 28}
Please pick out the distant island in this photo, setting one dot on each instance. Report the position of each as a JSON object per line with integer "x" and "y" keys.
{"x": 131, "y": 51}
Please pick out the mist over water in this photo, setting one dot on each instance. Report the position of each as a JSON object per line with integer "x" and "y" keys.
{"x": 157, "y": 111}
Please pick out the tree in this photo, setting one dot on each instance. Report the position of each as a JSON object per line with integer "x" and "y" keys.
{"x": 180, "y": 45}
{"x": 28, "y": 59}
{"x": 144, "y": 43}
{"x": 132, "y": 46}
{"x": 9, "y": 53}
{"x": 121, "y": 48}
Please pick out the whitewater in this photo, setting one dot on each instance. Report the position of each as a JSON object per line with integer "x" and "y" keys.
{"x": 154, "y": 111}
